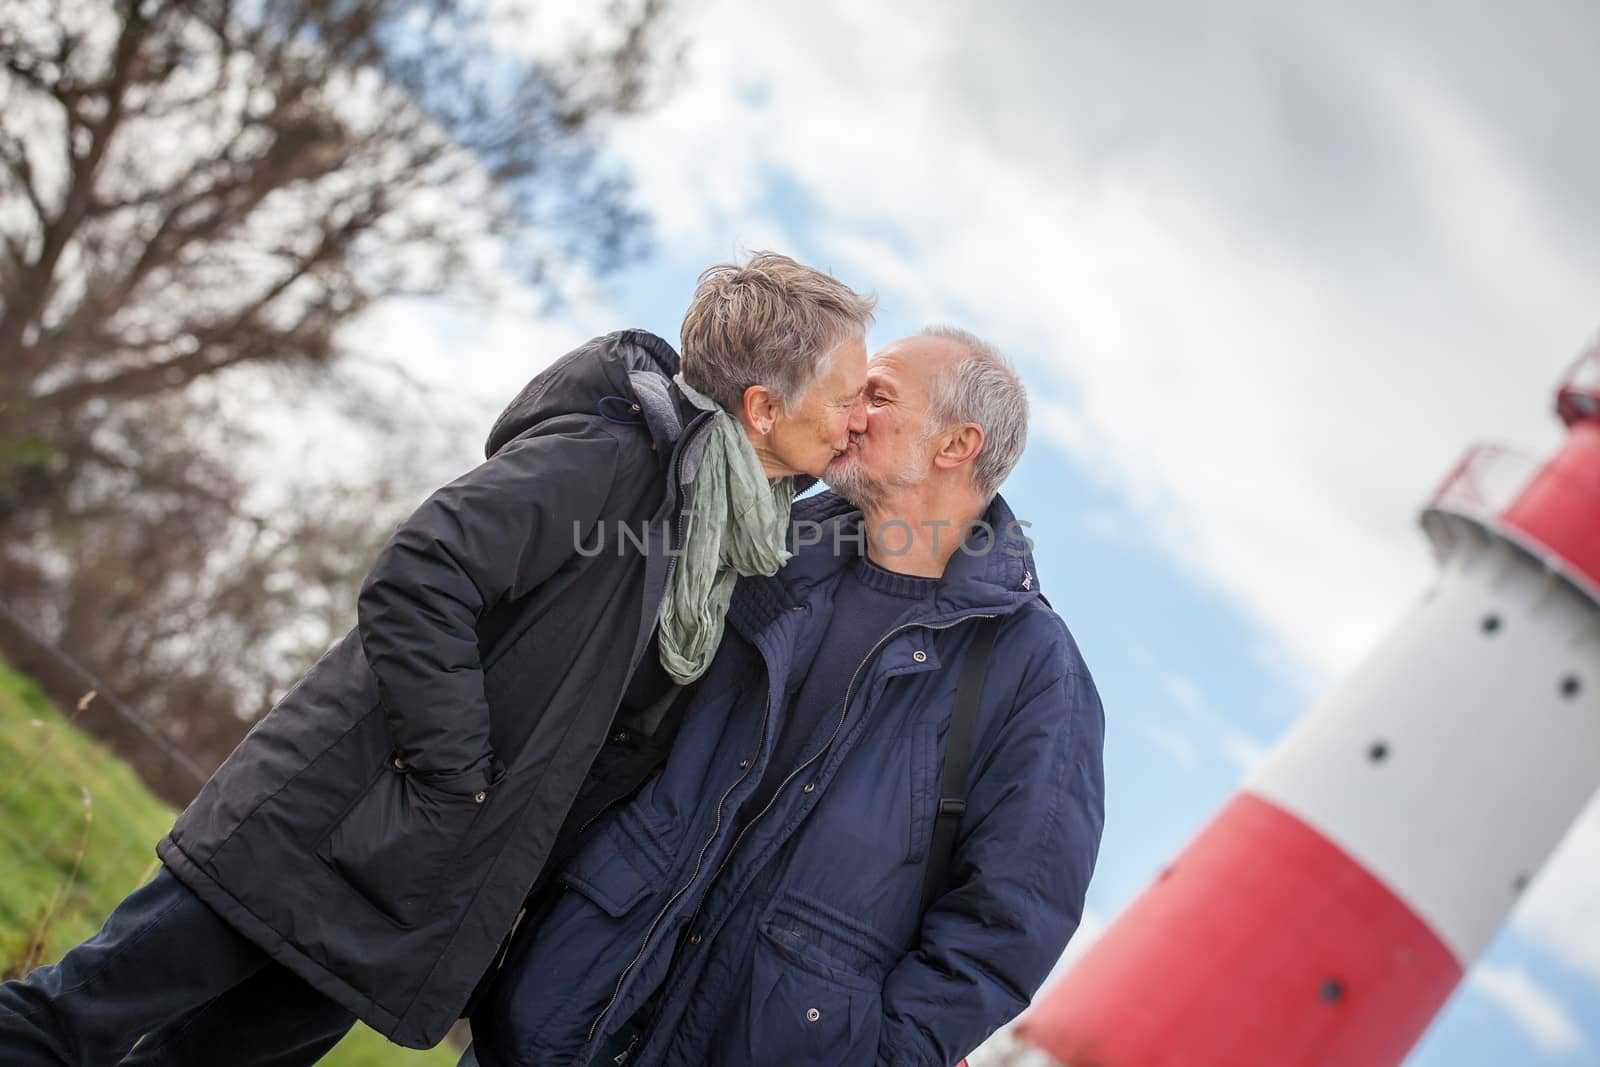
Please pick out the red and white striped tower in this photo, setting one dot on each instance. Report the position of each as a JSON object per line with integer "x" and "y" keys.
{"x": 1323, "y": 917}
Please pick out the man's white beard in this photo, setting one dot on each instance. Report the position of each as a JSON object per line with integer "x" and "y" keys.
{"x": 850, "y": 479}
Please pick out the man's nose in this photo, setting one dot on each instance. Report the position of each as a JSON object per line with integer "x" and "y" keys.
{"x": 858, "y": 415}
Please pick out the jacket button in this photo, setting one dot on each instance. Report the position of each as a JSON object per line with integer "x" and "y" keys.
{"x": 480, "y": 796}
{"x": 621, "y": 735}
{"x": 694, "y": 939}
{"x": 920, "y": 656}
{"x": 810, "y": 786}
{"x": 812, "y": 1015}
{"x": 743, "y": 764}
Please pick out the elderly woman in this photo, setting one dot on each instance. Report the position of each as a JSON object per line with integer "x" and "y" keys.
{"x": 519, "y": 645}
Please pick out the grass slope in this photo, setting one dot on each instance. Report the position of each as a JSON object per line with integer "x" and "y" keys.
{"x": 77, "y": 834}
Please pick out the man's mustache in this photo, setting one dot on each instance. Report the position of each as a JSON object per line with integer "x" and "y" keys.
{"x": 855, "y": 439}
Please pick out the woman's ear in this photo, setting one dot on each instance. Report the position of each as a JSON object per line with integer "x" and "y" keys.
{"x": 760, "y": 410}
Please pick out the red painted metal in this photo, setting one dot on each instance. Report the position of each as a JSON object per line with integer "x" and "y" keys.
{"x": 1560, "y": 508}
{"x": 1552, "y": 509}
{"x": 1263, "y": 943}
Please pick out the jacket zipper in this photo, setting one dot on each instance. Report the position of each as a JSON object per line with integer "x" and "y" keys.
{"x": 700, "y": 859}
{"x": 843, "y": 715}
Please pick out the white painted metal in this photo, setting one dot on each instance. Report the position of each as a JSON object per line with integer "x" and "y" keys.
{"x": 1485, "y": 760}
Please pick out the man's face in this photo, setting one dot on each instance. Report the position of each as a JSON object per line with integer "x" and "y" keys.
{"x": 819, "y": 428}
{"x": 893, "y": 452}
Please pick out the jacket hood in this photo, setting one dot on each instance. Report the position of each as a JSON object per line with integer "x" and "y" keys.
{"x": 591, "y": 379}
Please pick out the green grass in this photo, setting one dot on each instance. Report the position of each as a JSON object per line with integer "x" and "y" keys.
{"x": 77, "y": 834}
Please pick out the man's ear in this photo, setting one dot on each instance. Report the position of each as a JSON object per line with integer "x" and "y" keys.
{"x": 759, "y": 410}
{"x": 960, "y": 445}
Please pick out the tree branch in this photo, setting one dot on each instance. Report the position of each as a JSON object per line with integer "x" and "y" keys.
{"x": 191, "y": 366}
{"x": 26, "y": 303}
{"x": 14, "y": 154}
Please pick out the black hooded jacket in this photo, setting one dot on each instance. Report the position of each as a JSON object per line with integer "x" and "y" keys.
{"x": 379, "y": 829}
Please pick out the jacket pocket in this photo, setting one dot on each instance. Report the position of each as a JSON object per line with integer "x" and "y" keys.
{"x": 399, "y": 840}
{"x": 613, "y": 879}
{"x": 805, "y": 1003}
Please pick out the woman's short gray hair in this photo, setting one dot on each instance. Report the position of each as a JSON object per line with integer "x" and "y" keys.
{"x": 769, "y": 322}
{"x": 984, "y": 388}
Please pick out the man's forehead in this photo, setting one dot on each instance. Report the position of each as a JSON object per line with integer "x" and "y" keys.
{"x": 883, "y": 370}
{"x": 910, "y": 360}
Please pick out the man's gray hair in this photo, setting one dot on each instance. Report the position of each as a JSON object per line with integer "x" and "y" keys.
{"x": 772, "y": 322}
{"x": 984, "y": 388}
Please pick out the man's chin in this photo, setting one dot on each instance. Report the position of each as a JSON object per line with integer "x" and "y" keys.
{"x": 844, "y": 476}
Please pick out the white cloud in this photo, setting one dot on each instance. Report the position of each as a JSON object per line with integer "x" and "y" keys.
{"x": 1273, "y": 406}
{"x": 1171, "y": 740}
{"x": 1560, "y": 912}
{"x": 1243, "y": 752}
{"x": 460, "y": 367}
{"x": 1536, "y": 1010}
{"x": 1187, "y": 697}
{"x": 1236, "y": 746}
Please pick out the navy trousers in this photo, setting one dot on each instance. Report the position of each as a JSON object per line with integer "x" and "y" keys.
{"x": 166, "y": 982}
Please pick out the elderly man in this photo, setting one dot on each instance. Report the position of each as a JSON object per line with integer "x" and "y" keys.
{"x": 777, "y": 895}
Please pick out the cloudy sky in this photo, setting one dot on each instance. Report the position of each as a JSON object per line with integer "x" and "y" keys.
{"x": 1267, "y": 269}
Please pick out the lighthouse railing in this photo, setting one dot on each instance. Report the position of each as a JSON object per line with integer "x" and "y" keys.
{"x": 1486, "y": 496}
{"x": 1578, "y": 396}
{"x": 1485, "y": 482}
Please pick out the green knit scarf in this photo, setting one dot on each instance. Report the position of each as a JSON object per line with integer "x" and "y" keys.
{"x": 736, "y": 527}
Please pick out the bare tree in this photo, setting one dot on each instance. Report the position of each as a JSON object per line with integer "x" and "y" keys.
{"x": 195, "y": 193}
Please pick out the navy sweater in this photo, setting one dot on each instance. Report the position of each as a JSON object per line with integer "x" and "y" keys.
{"x": 866, "y": 604}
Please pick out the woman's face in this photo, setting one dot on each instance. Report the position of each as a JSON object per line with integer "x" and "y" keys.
{"x": 812, "y": 434}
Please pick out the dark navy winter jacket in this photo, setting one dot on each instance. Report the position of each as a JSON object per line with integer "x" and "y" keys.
{"x": 798, "y": 940}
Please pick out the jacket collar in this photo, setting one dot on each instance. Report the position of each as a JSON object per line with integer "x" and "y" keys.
{"x": 993, "y": 573}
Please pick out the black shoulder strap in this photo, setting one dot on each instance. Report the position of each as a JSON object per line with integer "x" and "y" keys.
{"x": 957, "y": 757}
